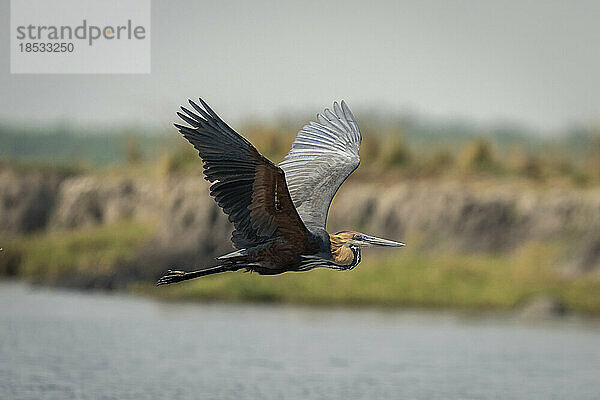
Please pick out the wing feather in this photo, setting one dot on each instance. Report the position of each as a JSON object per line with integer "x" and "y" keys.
{"x": 249, "y": 188}
{"x": 323, "y": 155}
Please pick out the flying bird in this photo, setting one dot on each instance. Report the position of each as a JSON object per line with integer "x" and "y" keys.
{"x": 279, "y": 212}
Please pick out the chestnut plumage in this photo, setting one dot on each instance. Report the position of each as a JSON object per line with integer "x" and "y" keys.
{"x": 279, "y": 212}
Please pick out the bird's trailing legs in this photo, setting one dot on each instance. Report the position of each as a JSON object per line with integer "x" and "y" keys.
{"x": 180, "y": 276}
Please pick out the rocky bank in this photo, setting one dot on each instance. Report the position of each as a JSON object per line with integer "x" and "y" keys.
{"x": 192, "y": 229}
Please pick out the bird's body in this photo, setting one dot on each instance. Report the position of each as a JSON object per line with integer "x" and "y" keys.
{"x": 279, "y": 212}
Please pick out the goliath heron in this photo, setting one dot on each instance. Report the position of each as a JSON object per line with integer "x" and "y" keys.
{"x": 279, "y": 212}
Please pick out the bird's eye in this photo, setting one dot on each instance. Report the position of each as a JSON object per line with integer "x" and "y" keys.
{"x": 358, "y": 236}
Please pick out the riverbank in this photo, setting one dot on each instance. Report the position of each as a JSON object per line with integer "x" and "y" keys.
{"x": 482, "y": 244}
{"x": 411, "y": 278}
{"x": 415, "y": 276}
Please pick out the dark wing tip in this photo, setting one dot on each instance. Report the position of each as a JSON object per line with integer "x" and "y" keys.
{"x": 194, "y": 105}
{"x": 206, "y": 107}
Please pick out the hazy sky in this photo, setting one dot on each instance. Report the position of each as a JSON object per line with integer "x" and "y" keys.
{"x": 531, "y": 62}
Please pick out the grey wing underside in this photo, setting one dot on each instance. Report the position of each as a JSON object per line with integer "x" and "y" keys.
{"x": 323, "y": 155}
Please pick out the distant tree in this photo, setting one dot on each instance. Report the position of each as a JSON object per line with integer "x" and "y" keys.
{"x": 595, "y": 164}
{"x": 440, "y": 162}
{"x": 370, "y": 150}
{"x": 396, "y": 152}
{"x": 131, "y": 148}
{"x": 477, "y": 155}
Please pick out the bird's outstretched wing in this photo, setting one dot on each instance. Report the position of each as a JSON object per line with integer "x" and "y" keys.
{"x": 249, "y": 188}
{"x": 323, "y": 155}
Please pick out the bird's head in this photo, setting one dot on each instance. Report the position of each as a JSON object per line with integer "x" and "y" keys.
{"x": 357, "y": 239}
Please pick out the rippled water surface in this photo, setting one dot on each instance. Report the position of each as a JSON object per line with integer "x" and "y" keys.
{"x": 68, "y": 345}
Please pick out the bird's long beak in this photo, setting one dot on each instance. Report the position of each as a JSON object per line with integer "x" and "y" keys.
{"x": 375, "y": 241}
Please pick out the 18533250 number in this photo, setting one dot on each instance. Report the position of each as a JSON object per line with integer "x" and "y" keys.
{"x": 46, "y": 47}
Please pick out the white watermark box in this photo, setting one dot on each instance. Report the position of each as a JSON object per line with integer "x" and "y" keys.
{"x": 79, "y": 36}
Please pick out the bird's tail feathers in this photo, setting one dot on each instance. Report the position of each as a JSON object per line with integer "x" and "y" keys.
{"x": 235, "y": 254}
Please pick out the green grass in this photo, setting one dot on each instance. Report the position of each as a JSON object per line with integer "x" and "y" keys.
{"x": 414, "y": 278}
{"x": 47, "y": 257}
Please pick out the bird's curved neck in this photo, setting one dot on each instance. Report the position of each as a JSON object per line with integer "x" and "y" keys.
{"x": 341, "y": 254}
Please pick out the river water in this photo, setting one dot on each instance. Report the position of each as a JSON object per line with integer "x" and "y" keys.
{"x": 69, "y": 345}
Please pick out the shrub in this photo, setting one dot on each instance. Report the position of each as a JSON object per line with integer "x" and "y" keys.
{"x": 178, "y": 159}
{"x": 131, "y": 148}
{"x": 396, "y": 152}
{"x": 442, "y": 160}
{"x": 477, "y": 156}
{"x": 273, "y": 143}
